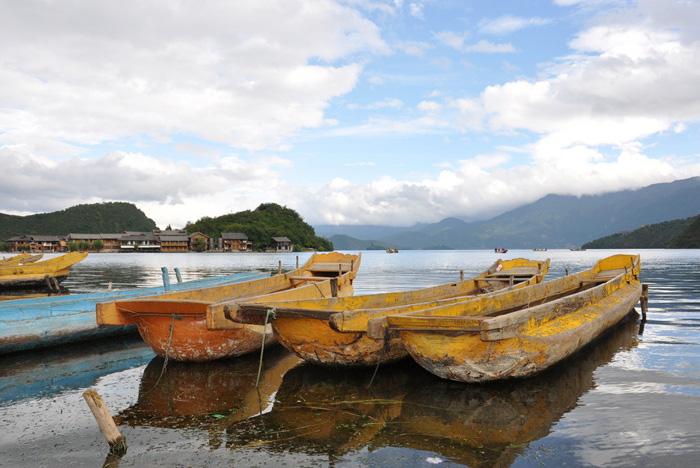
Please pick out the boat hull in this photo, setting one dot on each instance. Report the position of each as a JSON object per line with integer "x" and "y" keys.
{"x": 197, "y": 325}
{"x": 27, "y": 324}
{"x": 315, "y": 341}
{"x": 187, "y": 338}
{"x": 466, "y": 357}
{"x": 334, "y": 332}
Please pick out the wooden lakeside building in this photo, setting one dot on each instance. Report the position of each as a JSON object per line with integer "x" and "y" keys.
{"x": 282, "y": 244}
{"x": 37, "y": 243}
{"x": 235, "y": 242}
{"x": 173, "y": 241}
{"x": 145, "y": 241}
{"x": 111, "y": 242}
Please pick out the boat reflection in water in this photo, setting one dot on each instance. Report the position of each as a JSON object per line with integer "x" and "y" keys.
{"x": 333, "y": 411}
{"x": 210, "y": 395}
{"x": 330, "y": 412}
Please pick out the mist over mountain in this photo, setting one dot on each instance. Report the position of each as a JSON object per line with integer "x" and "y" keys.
{"x": 554, "y": 221}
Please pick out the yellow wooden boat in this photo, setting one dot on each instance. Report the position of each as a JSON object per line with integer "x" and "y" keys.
{"x": 20, "y": 259}
{"x": 521, "y": 332}
{"x": 195, "y": 325}
{"x": 333, "y": 331}
{"x": 46, "y": 274}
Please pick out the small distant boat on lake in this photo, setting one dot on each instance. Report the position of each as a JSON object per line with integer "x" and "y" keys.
{"x": 198, "y": 326}
{"x": 500, "y": 250}
{"x": 577, "y": 249}
{"x": 27, "y": 324}
{"x": 540, "y": 249}
{"x": 333, "y": 331}
{"x": 39, "y": 275}
{"x": 392, "y": 250}
{"x": 523, "y": 331}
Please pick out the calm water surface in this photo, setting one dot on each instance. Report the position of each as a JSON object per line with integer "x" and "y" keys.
{"x": 631, "y": 399}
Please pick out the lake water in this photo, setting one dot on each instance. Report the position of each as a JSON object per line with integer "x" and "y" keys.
{"x": 630, "y": 399}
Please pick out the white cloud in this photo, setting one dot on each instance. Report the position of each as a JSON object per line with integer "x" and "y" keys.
{"x": 415, "y": 48}
{"x": 234, "y": 72}
{"x": 458, "y": 42}
{"x": 623, "y": 84}
{"x": 416, "y": 10}
{"x": 488, "y": 47}
{"x": 508, "y": 24}
{"x": 485, "y": 185}
{"x": 388, "y": 103}
{"x": 31, "y": 183}
{"x": 429, "y": 106}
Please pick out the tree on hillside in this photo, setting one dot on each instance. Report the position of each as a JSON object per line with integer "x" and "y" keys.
{"x": 262, "y": 224}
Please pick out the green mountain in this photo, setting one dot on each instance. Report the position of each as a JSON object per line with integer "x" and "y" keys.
{"x": 559, "y": 220}
{"x": 89, "y": 218}
{"x": 261, "y": 224}
{"x": 678, "y": 233}
{"x": 343, "y": 242}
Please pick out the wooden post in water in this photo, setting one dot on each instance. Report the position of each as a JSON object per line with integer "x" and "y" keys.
{"x": 178, "y": 275}
{"x": 166, "y": 277}
{"x": 297, "y": 262}
{"x": 116, "y": 441}
{"x": 644, "y": 301}
{"x": 279, "y": 267}
{"x": 461, "y": 275}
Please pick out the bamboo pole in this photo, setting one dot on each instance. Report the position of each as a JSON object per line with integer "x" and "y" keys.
{"x": 116, "y": 441}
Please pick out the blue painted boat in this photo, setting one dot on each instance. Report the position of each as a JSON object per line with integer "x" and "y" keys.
{"x": 49, "y": 321}
{"x": 49, "y": 372}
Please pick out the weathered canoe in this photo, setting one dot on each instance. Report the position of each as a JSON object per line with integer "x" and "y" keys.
{"x": 196, "y": 325}
{"x": 22, "y": 258}
{"x": 28, "y": 324}
{"x": 520, "y": 332}
{"x": 334, "y": 331}
{"x": 46, "y": 274}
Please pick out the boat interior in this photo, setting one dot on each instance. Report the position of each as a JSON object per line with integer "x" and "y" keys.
{"x": 479, "y": 312}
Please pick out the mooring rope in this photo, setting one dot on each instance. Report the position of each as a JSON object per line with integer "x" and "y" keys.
{"x": 381, "y": 357}
{"x": 167, "y": 351}
{"x": 270, "y": 313}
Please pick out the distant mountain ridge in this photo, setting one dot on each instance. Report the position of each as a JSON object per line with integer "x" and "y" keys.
{"x": 674, "y": 234}
{"x": 343, "y": 242}
{"x": 555, "y": 221}
{"x": 88, "y": 218}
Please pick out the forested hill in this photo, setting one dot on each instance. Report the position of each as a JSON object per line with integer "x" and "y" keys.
{"x": 261, "y": 224}
{"x": 675, "y": 234}
{"x": 89, "y": 218}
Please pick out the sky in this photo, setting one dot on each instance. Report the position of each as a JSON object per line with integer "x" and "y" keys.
{"x": 349, "y": 111}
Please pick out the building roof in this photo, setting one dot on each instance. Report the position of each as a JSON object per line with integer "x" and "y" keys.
{"x": 172, "y": 232}
{"x": 281, "y": 239}
{"x": 198, "y": 234}
{"x": 40, "y": 238}
{"x": 172, "y": 238}
{"x": 145, "y": 236}
{"x": 81, "y": 236}
{"x": 234, "y": 236}
{"x": 34, "y": 238}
